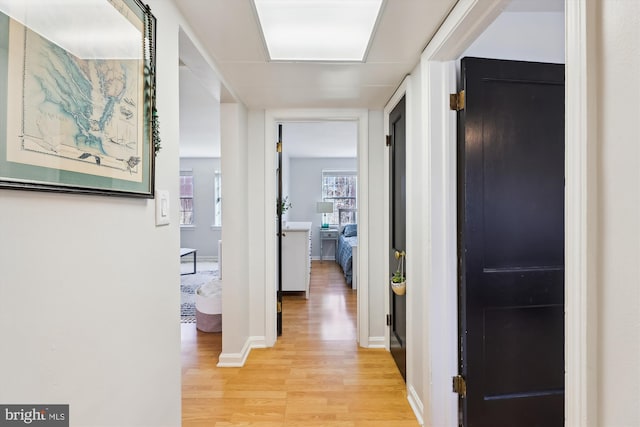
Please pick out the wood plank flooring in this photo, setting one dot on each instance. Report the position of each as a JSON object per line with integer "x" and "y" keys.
{"x": 315, "y": 375}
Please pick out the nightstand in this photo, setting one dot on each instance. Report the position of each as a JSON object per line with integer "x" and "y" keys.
{"x": 327, "y": 234}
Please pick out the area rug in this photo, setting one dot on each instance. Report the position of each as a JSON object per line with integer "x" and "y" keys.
{"x": 188, "y": 285}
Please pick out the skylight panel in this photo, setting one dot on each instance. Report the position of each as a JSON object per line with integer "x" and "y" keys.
{"x": 317, "y": 30}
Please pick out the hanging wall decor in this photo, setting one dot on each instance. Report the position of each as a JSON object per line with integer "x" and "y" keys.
{"x": 77, "y": 97}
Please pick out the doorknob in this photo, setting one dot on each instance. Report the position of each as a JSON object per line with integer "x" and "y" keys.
{"x": 400, "y": 254}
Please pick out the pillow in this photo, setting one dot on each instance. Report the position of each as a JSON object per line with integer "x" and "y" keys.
{"x": 350, "y": 230}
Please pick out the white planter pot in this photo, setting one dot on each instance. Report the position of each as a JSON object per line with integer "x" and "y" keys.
{"x": 399, "y": 288}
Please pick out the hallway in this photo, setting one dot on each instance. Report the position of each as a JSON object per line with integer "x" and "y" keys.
{"x": 315, "y": 375}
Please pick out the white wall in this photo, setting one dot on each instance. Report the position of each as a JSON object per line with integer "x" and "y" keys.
{"x": 525, "y": 36}
{"x": 258, "y": 149}
{"x": 378, "y": 253}
{"x": 618, "y": 154}
{"x": 199, "y": 132}
{"x": 235, "y": 233}
{"x": 417, "y": 170}
{"x": 439, "y": 247}
{"x": 201, "y": 235}
{"x": 305, "y": 189}
{"x": 89, "y": 295}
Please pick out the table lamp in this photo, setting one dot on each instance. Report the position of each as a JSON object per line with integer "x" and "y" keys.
{"x": 324, "y": 208}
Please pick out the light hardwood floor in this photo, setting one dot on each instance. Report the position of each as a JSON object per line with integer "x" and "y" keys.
{"x": 315, "y": 375}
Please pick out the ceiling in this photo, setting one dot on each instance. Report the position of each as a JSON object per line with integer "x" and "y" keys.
{"x": 229, "y": 34}
{"x": 320, "y": 139}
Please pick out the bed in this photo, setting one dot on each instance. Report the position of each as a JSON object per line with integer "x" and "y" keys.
{"x": 347, "y": 238}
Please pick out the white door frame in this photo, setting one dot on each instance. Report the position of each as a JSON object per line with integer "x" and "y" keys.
{"x": 467, "y": 20}
{"x": 272, "y": 118}
{"x": 403, "y": 90}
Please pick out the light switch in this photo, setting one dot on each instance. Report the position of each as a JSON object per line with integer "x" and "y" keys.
{"x": 162, "y": 207}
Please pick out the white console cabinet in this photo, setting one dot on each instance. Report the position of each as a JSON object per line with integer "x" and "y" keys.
{"x": 296, "y": 257}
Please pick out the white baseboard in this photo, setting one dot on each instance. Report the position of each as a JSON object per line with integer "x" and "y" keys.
{"x": 237, "y": 360}
{"x": 189, "y": 259}
{"x": 415, "y": 403}
{"x": 376, "y": 342}
{"x": 324, "y": 258}
{"x": 258, "y": 342}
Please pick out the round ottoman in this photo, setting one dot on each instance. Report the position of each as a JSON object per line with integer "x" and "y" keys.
{"x": 209, "y": 307}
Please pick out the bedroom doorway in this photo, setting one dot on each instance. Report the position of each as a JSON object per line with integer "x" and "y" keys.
{"x": 309, "y": 136}
{"x": 317, "y": 174}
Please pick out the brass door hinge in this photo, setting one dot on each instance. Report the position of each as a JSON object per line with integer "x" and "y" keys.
{"x": 279, "y": 307}
{"x": 279, "y": 147}
{"x": 388, "y": 140}
{"x": 388, "y": 320}
{"x": 456, "y": 101}
{"x": 460, "y": 385}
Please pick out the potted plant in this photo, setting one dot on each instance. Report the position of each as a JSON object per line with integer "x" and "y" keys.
{"x": 398, "y": 280}
{"x": 285, "y": 205}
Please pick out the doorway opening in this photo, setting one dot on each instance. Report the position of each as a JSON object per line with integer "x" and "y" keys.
{"x": 438, "y": 79}
{"x": 318, "y": 169}
{"x": 298, "y": 120}
{"x": 200, "y": 204}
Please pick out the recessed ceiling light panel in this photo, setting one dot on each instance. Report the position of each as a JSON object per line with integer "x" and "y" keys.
{"x": 317, "y": 30}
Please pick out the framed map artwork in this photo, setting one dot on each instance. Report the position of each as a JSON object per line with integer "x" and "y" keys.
{"x": 77, "y": 97}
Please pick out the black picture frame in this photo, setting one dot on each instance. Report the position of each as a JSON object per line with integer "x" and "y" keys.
{"x": 79, "y": 122}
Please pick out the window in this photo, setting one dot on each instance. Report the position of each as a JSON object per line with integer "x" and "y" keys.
{"x": 340, "y": 187}
{"x": 217, "y": 199}
{"x": 186, "y": 198}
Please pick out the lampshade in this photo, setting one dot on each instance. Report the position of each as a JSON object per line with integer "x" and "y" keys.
{"x": 324, "y": 207}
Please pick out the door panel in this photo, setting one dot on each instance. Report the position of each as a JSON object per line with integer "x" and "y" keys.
{"x": 512, "y": 178}
{"x": 280, "y": 233}
{"x": 397, "y": 227}
{"x": 504, "y": 324}
{"x": 511, "y": 243}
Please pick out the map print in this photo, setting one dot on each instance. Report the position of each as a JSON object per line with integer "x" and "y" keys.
{"x": 86, "y": 112}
